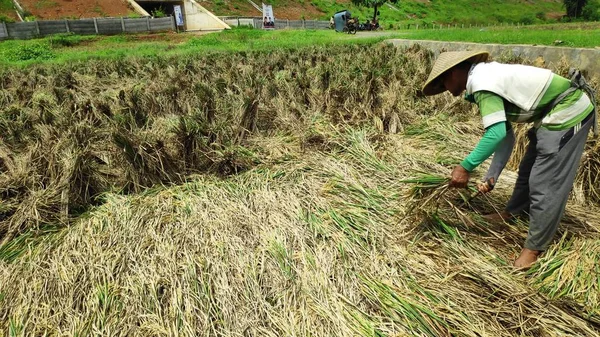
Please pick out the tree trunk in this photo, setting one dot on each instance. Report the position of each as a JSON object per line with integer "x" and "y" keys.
{"x": 574, "y": 7}
{"x": 374, "y": 14}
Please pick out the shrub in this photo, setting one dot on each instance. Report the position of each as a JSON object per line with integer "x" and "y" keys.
{"x": 540, "y": 15}
{"x": 30, "y": 51}
{"x": 159, "y": 12}
{"x": 591, "y": 11}
{"x": 527, "y": 20}
{"x": 4, "y": 18}
{"x": 64, "y": 40}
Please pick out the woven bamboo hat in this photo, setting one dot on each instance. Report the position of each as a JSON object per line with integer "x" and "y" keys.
{"x": 445, "y": 62}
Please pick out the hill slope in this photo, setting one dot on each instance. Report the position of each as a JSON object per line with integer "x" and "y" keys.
{"x": 413, "y": 11}
{"x": 66, "y": 9}
{"x": 409, "y": 11}
{"x": 7, "y": 11}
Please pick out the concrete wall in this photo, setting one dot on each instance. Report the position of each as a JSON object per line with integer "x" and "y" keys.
{"x": 198, "y": 18}
{"x": 3, "y": 31}
{"x": 236, "y": 22}
{"x": 585, "y": 59}
{"x": 279, "y": 24}
{"x": 103, "y": 26}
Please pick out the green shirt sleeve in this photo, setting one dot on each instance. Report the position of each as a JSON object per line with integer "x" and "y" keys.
{"x": 486, "y": 147}
{"x": 491, "y": 107}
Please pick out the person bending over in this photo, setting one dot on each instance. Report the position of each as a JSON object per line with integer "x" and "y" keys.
{"x": 562, "y": 113}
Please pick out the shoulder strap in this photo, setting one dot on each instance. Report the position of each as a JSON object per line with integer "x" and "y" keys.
{"x": 577, "y": 82}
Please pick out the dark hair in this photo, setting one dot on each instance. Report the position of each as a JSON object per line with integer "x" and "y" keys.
{"x": 464, "y": 65}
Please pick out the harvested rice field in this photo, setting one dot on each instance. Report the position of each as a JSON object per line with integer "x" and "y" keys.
{"x": 290, "y": 193}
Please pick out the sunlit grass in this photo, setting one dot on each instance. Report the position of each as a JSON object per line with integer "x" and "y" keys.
{"x": 550, "y": 35}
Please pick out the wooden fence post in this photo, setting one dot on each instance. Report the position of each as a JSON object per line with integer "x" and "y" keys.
{"x": 67, "y": 25}
{"x": 5, "y": 28}
{"x": 96, "y": 25}
{"x": 37, "y": 27}
{"x": 122, "y": 24}
{"x": 174, "y": 24}
{"x": 148, "y": 23}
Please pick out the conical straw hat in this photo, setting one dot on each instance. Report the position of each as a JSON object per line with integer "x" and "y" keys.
{"x": 446, "y": 61}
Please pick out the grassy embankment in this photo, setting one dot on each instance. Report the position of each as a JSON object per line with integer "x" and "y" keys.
{"x": 570, "y": 35}
{"x": 461, "y": 11}
{"x": 66, "y": 48}
{"x": 63, "y": 49}
{"x": 416, "y": 11}
{"x": 7, "y": 10}
{"x": 259, "y": 193}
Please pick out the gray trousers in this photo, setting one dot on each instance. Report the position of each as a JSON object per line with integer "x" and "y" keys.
{"x": 545, "y": 179}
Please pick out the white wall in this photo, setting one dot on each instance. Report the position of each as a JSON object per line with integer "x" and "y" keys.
{"x": 198, "y": 18}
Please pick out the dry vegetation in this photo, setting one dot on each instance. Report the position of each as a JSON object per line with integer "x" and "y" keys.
{"x": 256, "y": 194}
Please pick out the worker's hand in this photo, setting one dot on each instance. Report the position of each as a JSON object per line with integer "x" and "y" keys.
{"x": 486, "y": 186}
{"x": 460, "y": 177}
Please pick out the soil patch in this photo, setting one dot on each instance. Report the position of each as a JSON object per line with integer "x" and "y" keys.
{"x": 291, "y": 11}
{"x": 10, "y": 14}
{"x": 75, "y": 9}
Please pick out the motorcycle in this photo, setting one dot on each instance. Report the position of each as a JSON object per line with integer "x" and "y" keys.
{"x": 351, "y": 26}
{"x": 369, "y": 26}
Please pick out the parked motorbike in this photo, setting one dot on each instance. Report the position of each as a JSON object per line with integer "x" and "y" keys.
{"x": 351, "y": 26}
{"x": 368, "y": 26}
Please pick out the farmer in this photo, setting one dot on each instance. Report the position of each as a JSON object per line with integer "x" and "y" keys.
{"x": 562, "y": 113}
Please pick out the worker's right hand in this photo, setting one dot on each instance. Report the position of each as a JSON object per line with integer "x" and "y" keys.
{"x": 486, "y": 186}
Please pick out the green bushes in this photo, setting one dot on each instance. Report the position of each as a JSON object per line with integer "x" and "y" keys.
{"x": 591, "y": 11}
{"x": 4, "y": 18}
{"x": 65, "y": 40}
{"x": 29, "y": 51}
{"x": 158, "y": 12}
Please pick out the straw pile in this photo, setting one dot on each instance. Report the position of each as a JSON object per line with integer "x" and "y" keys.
{"x": 236, "y": 195}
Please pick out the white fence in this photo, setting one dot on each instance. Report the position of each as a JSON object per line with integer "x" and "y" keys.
{"x": 102, "y": 26}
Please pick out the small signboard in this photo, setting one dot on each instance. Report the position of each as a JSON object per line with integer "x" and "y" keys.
{"x": 178, "y": 15}
{"x": 268, "y": 17}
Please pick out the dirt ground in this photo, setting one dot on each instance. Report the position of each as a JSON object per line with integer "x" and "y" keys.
{"x": 10, "y": 14}
{"x": 75, "y": 9}
{"x": 293, "y": 11}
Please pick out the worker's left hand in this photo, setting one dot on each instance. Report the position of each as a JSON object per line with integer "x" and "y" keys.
{"x": 460, "y": 177}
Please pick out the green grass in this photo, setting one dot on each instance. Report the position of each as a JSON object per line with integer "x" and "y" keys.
{"x": 574, "y": 35}
{"x": 6, "y": 5}
{"x": 253, "y": 39}
{"x": 69, "y": 48}
{"x": 63, "y": 49}
{"x": 6, "y": 11}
